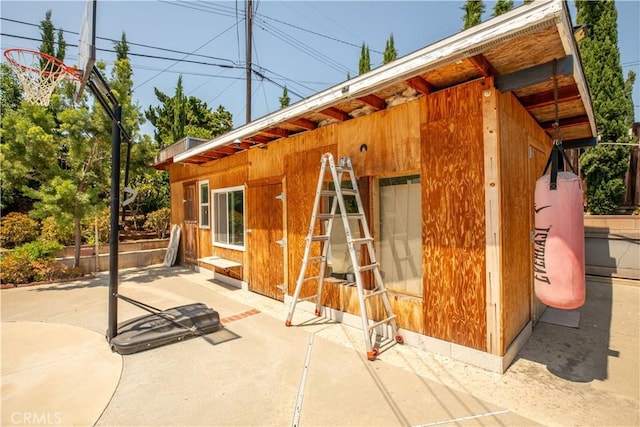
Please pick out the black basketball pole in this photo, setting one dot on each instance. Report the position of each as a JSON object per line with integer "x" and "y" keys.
{"x": 98, "y": 85}
{"x": 114, "y": 227}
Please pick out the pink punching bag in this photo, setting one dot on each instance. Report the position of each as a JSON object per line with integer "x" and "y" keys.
{"x": 558, "y": 256}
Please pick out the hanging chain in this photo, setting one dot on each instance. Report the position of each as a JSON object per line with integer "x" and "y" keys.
{"x": 556, "y": 123}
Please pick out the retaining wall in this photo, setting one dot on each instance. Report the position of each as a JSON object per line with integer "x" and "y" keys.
{"x": 612, "y": 246}
{"x": 131, "y": 254}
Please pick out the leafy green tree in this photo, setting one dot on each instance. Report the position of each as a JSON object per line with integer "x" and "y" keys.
{"x": 10, "y": 89}
{"x": 390, "y": 53}
{"x": 473, "y": 10}
{"x": 364, "y": 65}
{"x": 178, "y": 116}
{"x": 284, "y": 99}
{"x": 604, "y": 166}
{"x": 502, "y": 6}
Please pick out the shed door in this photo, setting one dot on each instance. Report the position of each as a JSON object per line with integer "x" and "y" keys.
{"x": 190, "y": 225}
{"x": 265, "y": 234}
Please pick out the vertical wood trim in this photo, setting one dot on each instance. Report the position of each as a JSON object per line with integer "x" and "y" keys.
{"x": 492, "y": 216}
{"x": 285, "y": 236}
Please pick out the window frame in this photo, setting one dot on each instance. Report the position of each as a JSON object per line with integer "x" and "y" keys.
{"x": 389, "y": 285}
{"x": 201, "y": 205}
{"x": 214, "y": 217}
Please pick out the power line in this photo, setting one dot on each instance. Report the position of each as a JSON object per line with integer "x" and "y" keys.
{"x": 308, "y": 50}
{"x": 142, "y": 55}
{"x": 117, "y": 41}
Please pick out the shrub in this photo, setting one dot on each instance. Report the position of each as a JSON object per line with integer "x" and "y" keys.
{"x": 33, "y": 262}
{"x": 39, "y": 249}
{"x": 89, "y": 228}
{"x": 159, "y": 221}
{"x": 47, "y": 269}
{"x": 15, "y": 270}
{"x": 17, "y": 228}
{"x": 54, "y": 232}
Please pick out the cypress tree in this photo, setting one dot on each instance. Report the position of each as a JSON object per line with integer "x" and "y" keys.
{"x": 473, "y": 10}
{"x": 285, "y": 100}
{"x": 502, "y": 6}
{"x": 604, "y": 166}
{"x": 364, "y": 65}
{"x": 390, "y": 52}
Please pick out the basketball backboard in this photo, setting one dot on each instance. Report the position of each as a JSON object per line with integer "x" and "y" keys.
{"x": 86, "y": 46}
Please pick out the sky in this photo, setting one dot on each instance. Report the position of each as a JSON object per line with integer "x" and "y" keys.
{"x": 308, "y": 46}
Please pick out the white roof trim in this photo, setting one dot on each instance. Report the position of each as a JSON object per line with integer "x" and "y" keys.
{"x": 461, "y": 45}
{"x": 571, "y": 48}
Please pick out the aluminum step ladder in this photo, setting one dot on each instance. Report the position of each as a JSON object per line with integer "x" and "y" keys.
{"x": 339, "y": 192}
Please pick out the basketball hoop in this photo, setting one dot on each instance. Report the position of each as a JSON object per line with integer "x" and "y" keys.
{"x": 39, "y": 73}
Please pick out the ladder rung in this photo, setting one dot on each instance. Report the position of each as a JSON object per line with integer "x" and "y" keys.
{"x": 382, "y": 321}
{"x": 368, "y": 267}
{"x": 375, "y": 294}
{"x": 343, "y": 169}
{"x": 330, "y": 193}
{"x": 362, "y": 241}
{"x": 322, "y": 216}
{"x": 322, "y": 238}
{"x": 349, "y": 192}
{"x": 353, "y": 215}
{"x": 316, "y": 259}
{"x": 309, "y": 279}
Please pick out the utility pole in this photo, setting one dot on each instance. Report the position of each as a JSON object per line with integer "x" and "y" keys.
{"x": 249, "y": 18}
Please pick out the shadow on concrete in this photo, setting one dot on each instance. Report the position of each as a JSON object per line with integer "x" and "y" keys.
{"x": 220, "y": 336}
{"x": 577, "y": 354}
{"x": 141, "y": 275}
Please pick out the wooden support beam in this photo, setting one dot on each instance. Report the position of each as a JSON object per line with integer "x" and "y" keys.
{"x": 420, "y": 84}
{"x": 546, "y": 98}
{"x": 335, "y": 113}
{"x": 580, "y": 143}
{"x": 305, "y": 123}
{"x": 483, "y": 65}
{"x": 261, "y": 139}
{"x": 373, "y": 101}
{"x": 568, "y": 122}
{"x": 534, "y": 75}
{"x": 279, "y": 132}
{"x": 225, "y": 149}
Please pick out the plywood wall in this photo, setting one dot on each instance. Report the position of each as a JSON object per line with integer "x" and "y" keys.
{"x": 518, "y": 131}
{"x": 302, "y": 170}
{"x": 392, "y": 139}
{"x": 452, "y": 157}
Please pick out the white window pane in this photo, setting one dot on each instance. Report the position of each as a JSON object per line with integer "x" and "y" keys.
{"x": 401, "y": 235}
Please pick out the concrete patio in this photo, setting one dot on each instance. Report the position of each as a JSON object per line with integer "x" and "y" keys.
{"x": 57, "y": 368}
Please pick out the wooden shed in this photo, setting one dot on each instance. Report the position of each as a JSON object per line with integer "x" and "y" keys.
{"x": 447, "y": 143}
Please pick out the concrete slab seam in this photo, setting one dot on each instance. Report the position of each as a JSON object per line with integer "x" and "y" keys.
{"x": 470, "y": 417}
{"x": 303, "y": 380}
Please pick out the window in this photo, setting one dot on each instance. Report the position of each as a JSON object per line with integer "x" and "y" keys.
{"x": 228, "y": 217}
{"x": 400, "y": 241}
{"x": 204, "y": 204}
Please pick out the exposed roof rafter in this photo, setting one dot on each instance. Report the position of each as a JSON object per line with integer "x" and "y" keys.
{"x": 373, "y": 101}
{"x": 483, "y": 65}
{"x": 279, "y": 132}
{"x": 568, "y": 122}
{"x": 304, "y": 123}
{"x": 543, "y": 99}
{"x": 335, "y": 113}
{"x": 421, "y": 85}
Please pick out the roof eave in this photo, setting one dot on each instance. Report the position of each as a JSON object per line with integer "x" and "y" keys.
{"x": 529, "y": 18}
